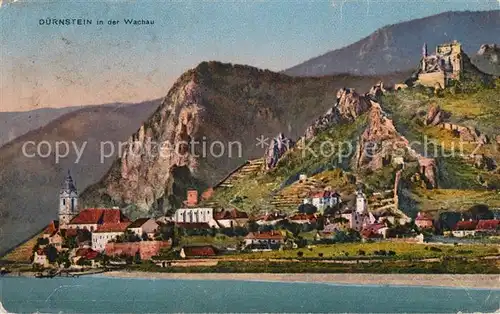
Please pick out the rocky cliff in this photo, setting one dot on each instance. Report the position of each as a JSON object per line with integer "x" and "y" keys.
{"x": 487, "y": 59}
{"x": 221, "y": 104}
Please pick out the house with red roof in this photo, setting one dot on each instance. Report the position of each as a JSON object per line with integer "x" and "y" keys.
{"x": 91, "y": 218}
{"x": 85, "y": 254}
{"x": 465, "y": 228}
{"x": 271, "y": 239}
{"x": 424, "y": 220}
{"x": 270, "y": 219}
{"x": 376, "y": 230}
{"x": 198, "y": 251}
{"x": 231, "y": 218}
{"x": 490, "y": 226}
{"x": 51, "y": 232}
{"x": 51, "y": 229}
{"x": 302, "y": 218}
{"x": 107, "y": 232}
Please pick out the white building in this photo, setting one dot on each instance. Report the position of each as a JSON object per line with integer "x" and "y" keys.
{"x": 146, "y": 226}
{"x": 361, "y": 203}
{"x": 203, "y": 215}
{"x": 106, "y": 233}
{"x": 359, "y": 217}
{"x": 355, "y": 220}
{"x": 465, "y": 228}
{"x": 324, "y": 199}
{"x": 40, "y": 258}
{"x": 264, "y": 238}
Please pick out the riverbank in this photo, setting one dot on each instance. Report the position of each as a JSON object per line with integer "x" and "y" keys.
{"x": 476, "y": 281}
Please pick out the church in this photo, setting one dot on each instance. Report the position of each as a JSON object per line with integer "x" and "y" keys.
{"x": 68, "y": 201}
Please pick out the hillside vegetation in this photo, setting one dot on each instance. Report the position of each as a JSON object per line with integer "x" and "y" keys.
{"x": 460, "y": 182}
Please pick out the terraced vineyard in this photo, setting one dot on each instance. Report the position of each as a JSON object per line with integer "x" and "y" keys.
{"x": 251, "y": 167}
{"x": 22, "y": 254}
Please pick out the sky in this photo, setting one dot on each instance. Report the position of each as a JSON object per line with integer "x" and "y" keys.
{"x": 59, "y": 66}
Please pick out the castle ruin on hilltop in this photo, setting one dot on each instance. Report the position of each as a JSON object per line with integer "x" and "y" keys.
{"x": 439, "y": 69}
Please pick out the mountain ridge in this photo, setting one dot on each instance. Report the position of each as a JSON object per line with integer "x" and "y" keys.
{"x": 395, "y": 48}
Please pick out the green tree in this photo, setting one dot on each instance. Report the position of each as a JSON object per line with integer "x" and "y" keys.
{"x": 63, "y": 259}
{"x": 69, "y": 242}
{"x": 252, "y": 226}
{"x": 51, "y": 253}
{"x": 307, "y": 209}
{"x": 480, "y": 211}
{"x": 320, "y": 222}
{"x": 42, "y": 241}
{"x": 137, "y": 257}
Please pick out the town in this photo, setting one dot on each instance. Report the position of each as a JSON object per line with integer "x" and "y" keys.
{"x": 91, "y": 238}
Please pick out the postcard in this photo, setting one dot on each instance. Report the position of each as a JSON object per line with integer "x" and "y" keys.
{"x": 284, "y": 156}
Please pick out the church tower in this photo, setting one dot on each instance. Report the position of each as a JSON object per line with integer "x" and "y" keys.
{"x": 68, "y": 200}
{"x": 361, "y": 203}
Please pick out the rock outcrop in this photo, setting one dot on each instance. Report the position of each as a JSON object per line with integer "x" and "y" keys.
{"x": 350, "y": 104}
{"x": 380, "y": 142}
{"x": 435, "y": 115}
{"x": 428, "y": 171}
{"x": 278, "y": 146}
{"x": 487, "y": 59}
{"x": 348, "y": 107}
{"x": 377, "y": 91}
{"x": 484, "y": 162}
{"x": 144, "y": 173}
{"x": 471, "y": 134}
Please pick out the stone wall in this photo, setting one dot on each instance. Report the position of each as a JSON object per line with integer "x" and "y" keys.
{"x": 432, "y": 79}
{"x": 146, "y": 249}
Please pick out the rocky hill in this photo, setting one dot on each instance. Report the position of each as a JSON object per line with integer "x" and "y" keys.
{"x": 29, "y": 187}
{"x": 214, "y": 102}
{"x": 487, "y": 59}
{"x": 421, "y": 149}
{"x": 398, "y": 47}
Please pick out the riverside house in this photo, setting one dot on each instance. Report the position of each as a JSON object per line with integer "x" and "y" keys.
{"x": 270, "y": 239}
{"x": 147, "y": 226}
{"x": 465, "y": 228}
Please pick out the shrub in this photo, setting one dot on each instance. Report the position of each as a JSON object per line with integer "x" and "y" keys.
{"x": 391, "y": 253}
{"x": 381, "y": 253}
{"x": 300, "y": 253}
{"x": 435, "y": 249}
{"x": 361, "y": 252}
{"x": 320, "y": 254}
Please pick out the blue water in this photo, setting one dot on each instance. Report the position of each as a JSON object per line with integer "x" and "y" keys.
{"x": 116, "y": 295}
